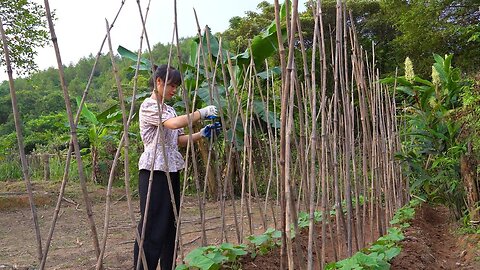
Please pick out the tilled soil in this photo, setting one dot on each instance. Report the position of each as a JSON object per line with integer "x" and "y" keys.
{"x": 431, "y": 244}
{"x": 72, "y": 245}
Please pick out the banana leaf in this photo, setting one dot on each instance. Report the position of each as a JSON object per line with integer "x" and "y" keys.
{"x": 264, "y": 44}
{"x": 260, "y": 109}
{"x": 125, "y": 53}
{"x": 89, "y": 115}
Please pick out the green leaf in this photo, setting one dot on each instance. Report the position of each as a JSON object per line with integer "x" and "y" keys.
{"x": 441, "y": 72}
{"x": 392, "y": 252}
{"x": 220, "y": 101}
{"x": 181, "y": 267}
{"x": 331, "y": 266}
{"x": 217, "y": 257}
{"x": 406, "y": 90}
{"x": 138, "y": 96}
{"x": 258, "y": 240}
{"x": 271, "y": 72}
{"x": 195, "y": 253}
{"x": 204, "y": 263}
{"x": 276, "y": 234}
{"x": 377, "y": 256}
{"x": 89, "y": 115}
{"x": 348, "y": 264}
{"x": 124, "y": 52}
{"x": 426, "y": 82}
{"x": 260, "y": 109}
{"x": 365, "y": 260}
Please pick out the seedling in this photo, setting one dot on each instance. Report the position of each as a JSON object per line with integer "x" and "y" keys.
{"x": 265, "y": 242}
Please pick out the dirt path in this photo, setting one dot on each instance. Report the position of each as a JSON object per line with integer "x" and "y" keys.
{"x": 430, "y": 244}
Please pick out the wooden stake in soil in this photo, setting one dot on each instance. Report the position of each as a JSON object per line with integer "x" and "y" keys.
{"x": 21, "y": 148}
{"x": 70, "y": 149}
{"x": 73, "y": 131}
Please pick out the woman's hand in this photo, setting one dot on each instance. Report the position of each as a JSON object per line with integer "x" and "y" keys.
{"x": 209, "y": 112}
{"x": 210, "y": 129}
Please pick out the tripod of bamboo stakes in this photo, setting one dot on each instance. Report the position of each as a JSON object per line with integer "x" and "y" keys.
{"x": 345, "y": 143}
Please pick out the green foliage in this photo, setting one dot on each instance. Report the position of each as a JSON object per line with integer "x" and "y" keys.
{"x": 102, "y": 130}
{"x": 25, "y": 27}
{"x": 377, "y": 256}
{"x": 443, "y": 26}
{"x": 10, "y": 169}
{"x": 468, "y": 117}
{"x": 242, "y": 29}
{"x": 264, "y": 243}
{"x": 431, "y": 148}
{"x": 404, "y": 214}
{"x": 304, "y": 218}
{"x": 212, "y": 257}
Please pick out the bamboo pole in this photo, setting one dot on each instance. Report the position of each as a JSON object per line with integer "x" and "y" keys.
{"x": 271, "y": 142}
{"x": 123, "y": 142}
{"x": 283, "y": 114}
{"x": 347, "y": 133}
{"x": 312, "y": 149}
{"x": 73, "y": 131}
{"x": 21, "y": 147}
{"x": 70, "y": 150}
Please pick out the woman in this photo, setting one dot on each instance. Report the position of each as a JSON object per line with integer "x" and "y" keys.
{"x": 159, "y": 242}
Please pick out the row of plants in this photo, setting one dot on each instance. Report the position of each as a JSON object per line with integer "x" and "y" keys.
{"x": 378, "y": 255}
{"x": 227, "y": 255}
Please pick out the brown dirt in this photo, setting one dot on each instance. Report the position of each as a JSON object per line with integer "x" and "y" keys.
{"x": 72, "y": 246}
{"x": 430, "y": 243}
{"x": 333, "y": 251}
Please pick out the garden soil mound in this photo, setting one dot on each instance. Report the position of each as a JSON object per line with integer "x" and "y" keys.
{"x": 430, "y": 243}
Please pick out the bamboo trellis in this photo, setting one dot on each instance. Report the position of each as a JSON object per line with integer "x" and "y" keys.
{"x": 334, "y": 149}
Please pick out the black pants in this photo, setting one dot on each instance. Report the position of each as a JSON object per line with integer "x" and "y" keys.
{"x": 159, "y": 243}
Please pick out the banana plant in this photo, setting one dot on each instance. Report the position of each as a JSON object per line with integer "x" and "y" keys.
{"x": 99, "y": 128}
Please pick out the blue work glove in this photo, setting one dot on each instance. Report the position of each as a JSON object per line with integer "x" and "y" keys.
{"x": 208, "y": 112}
{"x": 210, "y": 129}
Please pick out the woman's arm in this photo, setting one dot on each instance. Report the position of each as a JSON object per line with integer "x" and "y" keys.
{"x": 183, "y": 139}
{"x": 181, "y": 121}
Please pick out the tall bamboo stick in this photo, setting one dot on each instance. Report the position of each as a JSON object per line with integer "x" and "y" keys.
{"x": 123, "y": 141}
{"x": 70, "y": 150}
{"x": 283, "y": 114}
{"x": 312, "y": 149}
{"x": 73, "y": 131}
{"x": 21, "y": 147}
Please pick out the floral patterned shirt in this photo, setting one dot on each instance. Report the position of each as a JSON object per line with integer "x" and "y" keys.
{"x": 149, "y": 122}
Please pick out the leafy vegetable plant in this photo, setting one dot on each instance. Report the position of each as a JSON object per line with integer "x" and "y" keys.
{"x": 212, "y": 257}
{"x": 377, "y": 256}
{"x": 265, "y": 242}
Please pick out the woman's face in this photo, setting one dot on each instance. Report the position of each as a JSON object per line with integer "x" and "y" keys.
{"x": 166, "y": 92}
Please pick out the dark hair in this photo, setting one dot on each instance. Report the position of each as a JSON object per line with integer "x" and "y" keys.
{"x": 174, "y": 76}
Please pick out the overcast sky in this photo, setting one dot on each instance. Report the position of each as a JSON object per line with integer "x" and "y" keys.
{"x": 80, "y": 25}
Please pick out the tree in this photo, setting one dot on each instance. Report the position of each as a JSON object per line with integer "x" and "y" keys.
{"x": 26, "y": 29}
{"x": 241, "y": 30}
{"x": 423, "y": 28}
